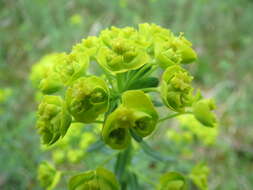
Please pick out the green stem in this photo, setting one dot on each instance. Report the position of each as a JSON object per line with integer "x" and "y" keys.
{"x": 172, "y": 116}
{"x": 122, "y": 162}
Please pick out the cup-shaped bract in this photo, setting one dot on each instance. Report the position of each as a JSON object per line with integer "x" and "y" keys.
{"x": 53, "y": 119}
{"x": 87, "y": 98}
{"x": 176, "y": 89}
{"x": 48, "y": 176}
{"x": 71, "y": 66}
{"x": 145, "y": 115}
{"x": 202, "y": 111}
{"x": 172, "y": 181}
{"x": 115, "y": 131}
{"x": 99, "y": 179}
{"x": 122, "y": 50}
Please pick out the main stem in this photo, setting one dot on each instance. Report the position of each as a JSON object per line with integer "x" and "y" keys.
{"x": 123, "y": 160}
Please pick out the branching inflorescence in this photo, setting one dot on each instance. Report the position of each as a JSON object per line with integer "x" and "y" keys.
{"x": 117, "y": 94}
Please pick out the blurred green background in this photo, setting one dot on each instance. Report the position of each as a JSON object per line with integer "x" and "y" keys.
{"x": 221, "y": 32}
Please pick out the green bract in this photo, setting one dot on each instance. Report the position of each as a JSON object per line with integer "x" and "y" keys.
{"x": 172, "y": 181}
{"x": 53, "y": 119}
{"x": 87, "y": 98}
{"x": 115, "y": 131}
{"x": 99, "y": 179}
{"x": 203, "y": 112}
{"x": 48, "y": 176}
{"x": 121, "y": 51}
{"x": 145, "y": 115}
{"x": 176, "y": 90}
{"x": 136, "y": 112}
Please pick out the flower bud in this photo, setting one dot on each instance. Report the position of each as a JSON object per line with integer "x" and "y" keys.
{"x": 122, "y": 51}
{"x": 115, "y": 131}
{"x": 176, "y": 90}
{"x": 53, "y": 119}
{"x": 172, "y": 181}
{"x": 99, "y": 179}
{"x": 145, "y": 115}
{"x": 87, "y": 98}
{"x": 48, "y": 176}
{"x": 202, "y": 111}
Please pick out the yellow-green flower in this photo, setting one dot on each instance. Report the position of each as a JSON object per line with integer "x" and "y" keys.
{"x": 136, "y": 112}
{"x": 53, "y": 119}
{"x": 165, "y": 46}
{"x": 94, "y": 180}
{"x": 203, "y": 112}
{"x": 43, "y": 77}
{"x": 40, "y": 69}
{"x": 115, "y": 131}
{"x": 122, "y": 50}
{"x": 87, "y": 98}
{"x": 71, "y": 66}
{"x": 172, "y": 181}
{"x": 48, "y": 176}
{"x": 88, "y": 46}
{"x": 145, "y": 115}
{"x": 176, "y": 90}
{"x": 199, "y": 175}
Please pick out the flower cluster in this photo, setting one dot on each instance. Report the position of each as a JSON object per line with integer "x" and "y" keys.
{"x": 106, "y": 80}
{"x": 128, "y": 59}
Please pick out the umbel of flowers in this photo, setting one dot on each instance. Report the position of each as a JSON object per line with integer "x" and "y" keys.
{"x": 118, "y": 95}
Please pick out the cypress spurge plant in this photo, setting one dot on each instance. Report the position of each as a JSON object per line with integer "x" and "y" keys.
{"x": 132, "y": 63}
